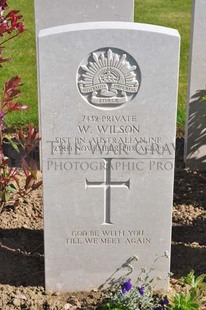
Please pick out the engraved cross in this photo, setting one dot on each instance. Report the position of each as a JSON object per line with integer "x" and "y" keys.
{"x": 107, "y": 184}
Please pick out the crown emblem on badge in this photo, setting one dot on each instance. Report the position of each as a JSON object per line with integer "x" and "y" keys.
{"x": 108, "y": 79}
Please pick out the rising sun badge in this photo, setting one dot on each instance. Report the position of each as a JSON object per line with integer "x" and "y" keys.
{"x": 109, "y": 78}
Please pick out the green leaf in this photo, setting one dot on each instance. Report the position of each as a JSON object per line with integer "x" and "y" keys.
{"x": 5, "y": 196}
{"x": 13, "y": 144}
{"x": 11, "y": 188}
{"x": 200, "y": 279}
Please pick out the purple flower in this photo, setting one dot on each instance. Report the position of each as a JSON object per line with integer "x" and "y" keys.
{"x": 164, "y": 302}
{"x": 126, "y": 286}
{"x": 141, "y": 290}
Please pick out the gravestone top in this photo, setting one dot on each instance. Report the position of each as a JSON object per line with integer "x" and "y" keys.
{"x": 108, "y": 25}
{"x": 108, "y": 95}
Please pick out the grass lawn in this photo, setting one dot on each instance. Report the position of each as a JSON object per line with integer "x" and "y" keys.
{"x": 175, "y": 14}
{"x": 23, "y": 63}
{"x": 169, "y": 13}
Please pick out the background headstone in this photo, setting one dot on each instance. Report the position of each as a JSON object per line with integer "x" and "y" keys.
{"x": 50, "y": 13}
{"x": 108, "y": 110}
{"x": 195, "y": 137}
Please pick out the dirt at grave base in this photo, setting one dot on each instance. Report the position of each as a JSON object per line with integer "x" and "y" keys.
{"x": 22, "y": 252}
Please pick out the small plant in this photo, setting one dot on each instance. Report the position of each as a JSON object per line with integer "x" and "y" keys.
{"x": 122, "y": 294}
{"x": 192, "y": 297}
{"x": 10, "y": 186}
{"x": 11, "y": 25}
{"x": 125, "y": 295}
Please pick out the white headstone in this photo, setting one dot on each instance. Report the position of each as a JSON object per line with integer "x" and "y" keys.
{"x": 195, "y": 138}
{"x": 50, "y": 13}
{"x": 108, "y": 110}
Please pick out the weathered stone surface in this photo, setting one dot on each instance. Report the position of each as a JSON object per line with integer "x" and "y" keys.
{"x": 108, "y": 110}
